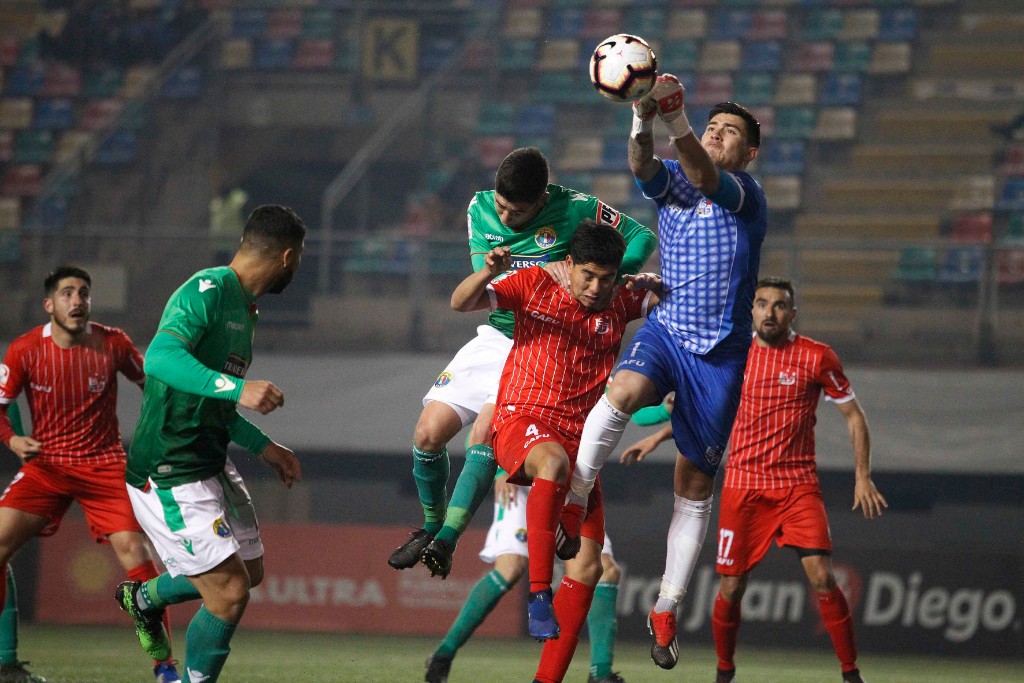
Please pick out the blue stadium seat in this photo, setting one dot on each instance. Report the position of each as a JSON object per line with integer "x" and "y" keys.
{"x": 841, "y": 90}
{"x": 761, "y": 56}
{"x": 1011, "y": 198}
{"x": 782, "y": 157}
{"x": 536, "y": 119}
{"x": 185, "y": 83}
{"x": 898, "y": 24}
{"x": 249, "y": 23}
{"x": 25, "y": 81}
{"x": 565, "y": 23}
{"x": 274, "y": 54}
{"x": 54, "y": 114}
{"x": 119, "y": 149}
{"x": 961, "y": 265}
{"x": 731, "y": 24}
{"x": 437, "y": 50}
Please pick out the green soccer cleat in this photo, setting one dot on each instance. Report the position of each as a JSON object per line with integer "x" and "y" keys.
{"x": 149, "y": 625}
{"x": 15, "y": 672}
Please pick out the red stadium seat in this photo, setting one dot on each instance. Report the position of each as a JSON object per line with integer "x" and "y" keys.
{"x": 22, "y": 181}
{"x": 314, "y": 53}
{"x": 973, "y": 227}
{"x": 62, "y": 80}
{"x": 100, "y": 114}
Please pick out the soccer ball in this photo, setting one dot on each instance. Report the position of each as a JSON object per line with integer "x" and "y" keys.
{"x": 623, "y": 68}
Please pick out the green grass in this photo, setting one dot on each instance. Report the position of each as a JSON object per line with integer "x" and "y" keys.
{"x": 88, "y": 654}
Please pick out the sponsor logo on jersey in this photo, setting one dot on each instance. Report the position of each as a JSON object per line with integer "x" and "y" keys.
{"x": 235, "y": 365}
{"x": 222, "y": 384}
{"x": 164, "y": 469}
{"x": 545, "y": 237}
{"x": 237, "y": 327}
{"x": 40, "y": 387}
{"x": 704, "y": 208}
{"x": 186, "y": 543}
{"x": 205, "y": 284}
{"x": 5, "y": 372}
{"x": 537, "y": 315}
{"x": 494, "y": 238}
{"x": 787, "y": 379}
{"x": 602, "y": 325}
{"x": 606, "y": 214}
{"x": 97, "y": 385}
{"x": 443, "y": 380}
{"x": 221, "y": 528}
{"x": 521, "y": 535}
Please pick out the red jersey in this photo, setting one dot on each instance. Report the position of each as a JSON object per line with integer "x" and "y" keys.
{"x": 772, "y": 442}
{"x": 562, "y": 351}
{"x": 72, "y": 393}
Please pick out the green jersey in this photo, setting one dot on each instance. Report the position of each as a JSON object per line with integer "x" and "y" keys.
{"x": 546, "y": 238}
{"x": 194, "y": 370}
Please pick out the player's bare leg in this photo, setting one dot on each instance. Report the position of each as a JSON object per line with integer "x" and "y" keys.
{"x": 16, "y": 528}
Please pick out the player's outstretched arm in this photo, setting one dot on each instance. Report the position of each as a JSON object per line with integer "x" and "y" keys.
{"x": 640, "y": 149}
{"x": 471, "y": 294}
{"x": 865, "y": 495}
{"x": 697, "y": 165}
{"x": 283, "y": 461}
{"x": 645, "y": 446}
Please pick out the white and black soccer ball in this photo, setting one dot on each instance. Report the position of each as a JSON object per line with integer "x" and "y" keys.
{"x": 623, "y": 67}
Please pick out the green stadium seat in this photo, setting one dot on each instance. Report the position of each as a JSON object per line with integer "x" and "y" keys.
{"x": 10, "y": 243}
{"x": 823, "y": 24}
{"x": 916, "y": 264}
{"x": 497, "y": 118}
{"x": 794, "y": 122}
{"x": 647, "y": 22}
{"x": 678, "y": 55}
{"x": 318, "y": 23}
{"x": 103, "y": 83}
{"x": 852, "y": 56}
{"x": 34, "y": 147}
{"x": 753, "y": 89}
{"x": 518, "y": 54}
{"x": 1015, "y": 228}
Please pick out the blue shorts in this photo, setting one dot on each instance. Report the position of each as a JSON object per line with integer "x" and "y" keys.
{"x": 707, "y": 390}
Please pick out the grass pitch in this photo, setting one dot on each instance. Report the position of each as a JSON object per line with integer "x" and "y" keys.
{"x": 90, "y": 654}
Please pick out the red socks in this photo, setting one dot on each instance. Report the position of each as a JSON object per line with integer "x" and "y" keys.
{"x": 725, "y": 626}
{"x": 835, "y": 615}
{"x": 542, "y": 511}
{"x": 572, "y": 602}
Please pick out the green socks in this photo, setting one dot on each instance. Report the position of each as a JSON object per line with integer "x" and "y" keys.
{"x": 470, "y": 490}
{"x": 431, "y": 470}
{"x": 9, "y": 622}
{"x": 166, "y": 590}
{"x": 207, "y": 646}
{"x": 482, "y": 599}
{"x": 601, "y": 625}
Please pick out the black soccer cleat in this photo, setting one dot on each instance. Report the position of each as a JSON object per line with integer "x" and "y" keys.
{"x": 725, "y": 675}
{"x": 566, "y": 547}
{"x": 613, "y": 677}
{"x": 665, "y": 648}
{"x": 438, "y": 667}
{"x": 408, "y": 554}
{"x": 437, "y": 557}
{"x": 852, "y": 676}
{"x": 15, "y": 672}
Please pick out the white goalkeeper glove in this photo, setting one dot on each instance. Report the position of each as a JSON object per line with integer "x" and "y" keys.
{"x": 644, "y": 111}
{"x": 668, "y": 93}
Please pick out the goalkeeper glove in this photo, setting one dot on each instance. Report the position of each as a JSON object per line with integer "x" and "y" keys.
{"x": 668, "y": 93}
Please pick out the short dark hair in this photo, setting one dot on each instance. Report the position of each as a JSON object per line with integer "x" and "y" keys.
{"x": 271, "y": 228}
{"x": 61, "y": 272}
{"x": 753, "y": 125}
{"x": 597, "y": 243}
{"x": 522, "y": 176}
{"x": 777, "y": 283}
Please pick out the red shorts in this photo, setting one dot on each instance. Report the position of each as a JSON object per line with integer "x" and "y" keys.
{"x": 47, "y": 490}
{"x": 750, "y": 519}
{"x": 515, "y": 437}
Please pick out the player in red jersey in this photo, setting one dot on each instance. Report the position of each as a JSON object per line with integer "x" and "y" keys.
{"x": 68, "y": 371}
{"x": 563, "y": 348}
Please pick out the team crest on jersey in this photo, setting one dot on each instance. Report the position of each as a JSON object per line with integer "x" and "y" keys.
{"x": 545, "y": 237}
{"x": 704, "y": 208}
{"x": 235, "y": 365}
{"x": 5, "y": 373}
{"x": 787, "y": 379}
{"x": 606, "y": 214}
{"x": 221, "y": 528}
{"x": 97, "y": 385}
{"x": 521, "y": 535}
{"x": 602, "y": 325}
{"x": 443, "y": 380}
{"x": 713, "y": 455}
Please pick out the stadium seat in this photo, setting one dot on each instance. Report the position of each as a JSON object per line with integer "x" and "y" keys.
{"x": 136, "y": 81}
{"x": 768, "y": 25}
{"x": 974, "y": 193}
{"x": 10, "y": 242}
{"x": 16, "y": 113}
{"x": 721, "y": 55}
{"x": 973, "y": 227}
{"x": 10, "y": 213}
{"x": 836, "y": 123}
{"x": 583, "y": 154}
{"x": 70, "y": 145}
{"x": 712, "y": 89}
{"x": 823, "y": 24}
{"x": 283, "y": 23}
{"x": 796, "y": 89}
{"x": 184, "y": 83}
{"x": 118, "y": 149}
{"x": 601, "y": 22}
{"x": 841, "y": 90}
{"x": 649, "y": 22}
{"x": 583, "y": 182}
{"x": 565, "y": 23}
{"x": 784, "y": 191}
{"x": 33, "y": 147}
{"x": 496, "y": 118}
{"x": 765, "y": 115}
{"x": 1010, "y": 266}
{"x": 437, "y": 51}
{"x": 614, "y": 153}
{"x": 852, "y": 57}
{"x": 102, "y": 82}
{"x": 314, "y": 53}
{"x": 6, "y": 146}
{"x": 62, "y": 80}
{"x": 613, "y": 188}
{"x": 1013, "y": 160}
{"x": 686, "y": 24}
{"x": 559, "y": 54}
{"x": 794, "y": 122}
{"x": 898, "y": 24}
{"x": 961, "y": 265}
{"x": 754, "y": 89}
{"x": 813, "y": 57}
{"x": 10, "y": 48}
{"x": 22, "y": 181}
{"x": 678, "y": 55}
{"x": 518, "y": 54}
{"x": 782, "y": 157}
{"x": 890, "y": 58}
{"x": 1011, "y": 197}
{"x": 536, "y": 119}
{"x": 236, "y": 53}
{"x": 524, "y": 22}
{"x": 1014, "y": 229}
{"x": 861, "y": 24}
{"x": 479, "y": 54}
{"x": 274, "y": 54}
{"x": 491, "y": 149}
{"x": 248, "y": 23}
{"x": 733, "y": 24}
{"x": 916, "y": 264}
{"x": 318, "y": 23}
{"x": 54, "y": 114}
{"x": 565, "y": 87}
{"x": 99, "y": 114}
{"x": 25, "y": 81}
{"x": 761, "y": 56}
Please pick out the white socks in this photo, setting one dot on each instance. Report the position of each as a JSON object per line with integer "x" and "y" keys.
{"x": 690, "y": 519}
{"x": 601, "y": 434}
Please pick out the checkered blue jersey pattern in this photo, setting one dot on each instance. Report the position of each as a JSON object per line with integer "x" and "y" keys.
{"x": 709, "y": 258}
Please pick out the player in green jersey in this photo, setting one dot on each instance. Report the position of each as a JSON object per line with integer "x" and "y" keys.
{"x": 186, "y": 493}
{"x": 536, "y": 220}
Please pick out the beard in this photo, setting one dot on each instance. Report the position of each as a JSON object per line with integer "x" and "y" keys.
{"x": 772, "y": 336}
{"x": 282, "y": 281}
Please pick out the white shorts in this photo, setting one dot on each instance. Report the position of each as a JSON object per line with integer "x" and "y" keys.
{"x": 196, "y": 526}
{"x": 507, "y": 535}
{"x": 471, "y": 378}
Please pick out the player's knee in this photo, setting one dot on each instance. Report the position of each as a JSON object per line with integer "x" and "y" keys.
{"x": 430, "y": 436}
{"x": 732, "y": 588}
{"x": 553, "y": 466}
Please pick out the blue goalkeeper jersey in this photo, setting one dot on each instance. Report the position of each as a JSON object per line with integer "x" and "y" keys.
{"x": 709, "y": 259}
